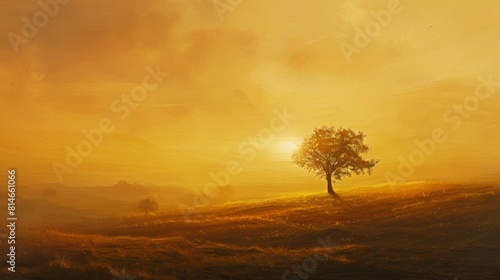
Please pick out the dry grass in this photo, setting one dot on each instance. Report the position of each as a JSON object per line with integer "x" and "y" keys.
{"x": 419, "y": 231}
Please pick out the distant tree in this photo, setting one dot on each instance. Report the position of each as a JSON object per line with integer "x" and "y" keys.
{"x": 147, "y": 205}
{"x": 334, "y": 154}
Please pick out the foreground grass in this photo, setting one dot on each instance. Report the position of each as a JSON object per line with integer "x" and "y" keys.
{"x": 417, "y": 231}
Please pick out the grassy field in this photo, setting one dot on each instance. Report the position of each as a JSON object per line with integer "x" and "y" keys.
{"x": 413, "y": 231}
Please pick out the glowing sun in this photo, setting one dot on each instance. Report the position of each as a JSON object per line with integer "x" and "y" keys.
{"x": 289, "y": 147}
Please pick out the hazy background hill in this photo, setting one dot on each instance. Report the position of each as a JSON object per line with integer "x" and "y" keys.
{"x": 55, "y": 203}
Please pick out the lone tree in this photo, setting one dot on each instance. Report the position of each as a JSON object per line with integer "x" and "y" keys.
{"x": 147, "y": 205}
{"x": 333, "y": 153}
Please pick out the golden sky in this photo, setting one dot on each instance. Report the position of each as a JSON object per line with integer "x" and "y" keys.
{"x": 230, "y": 69}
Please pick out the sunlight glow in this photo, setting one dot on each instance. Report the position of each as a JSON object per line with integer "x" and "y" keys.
{"x": 289, "y": 147}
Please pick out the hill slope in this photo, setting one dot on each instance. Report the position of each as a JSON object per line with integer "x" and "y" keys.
{"x": 416, "y": 231}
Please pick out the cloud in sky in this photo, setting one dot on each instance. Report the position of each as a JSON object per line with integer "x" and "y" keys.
{"x": 226, "y": 77}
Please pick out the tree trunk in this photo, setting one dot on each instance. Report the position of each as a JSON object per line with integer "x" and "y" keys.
{"x": 329, "y": 184}
{"x": 330, "y": 188}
